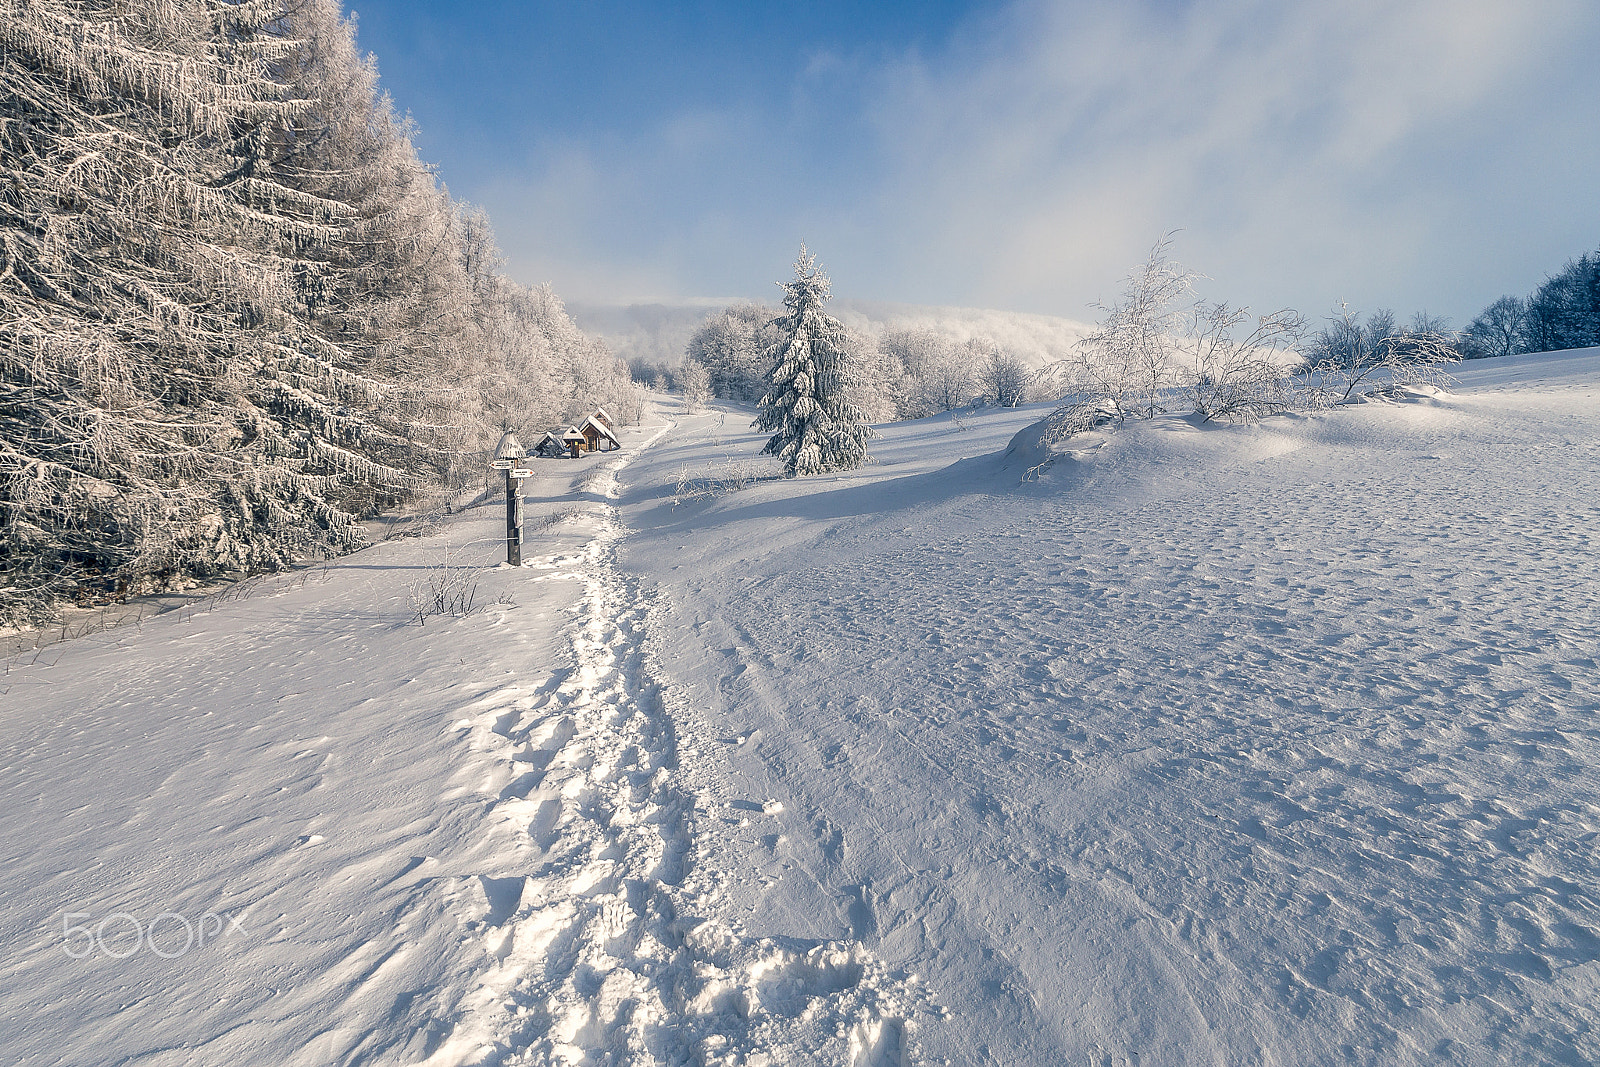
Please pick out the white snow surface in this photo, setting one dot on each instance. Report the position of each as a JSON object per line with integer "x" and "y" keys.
{"x": 1234, "y": 745}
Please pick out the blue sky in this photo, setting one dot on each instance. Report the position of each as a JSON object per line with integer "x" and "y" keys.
{"x": 1420, "y": 154}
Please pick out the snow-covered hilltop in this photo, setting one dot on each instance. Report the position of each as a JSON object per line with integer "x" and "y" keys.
{"x": 1267, "y": 744}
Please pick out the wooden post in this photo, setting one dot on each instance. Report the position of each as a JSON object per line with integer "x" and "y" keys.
{"x": 513, "y": 520}
{"x": 506, "y": 456}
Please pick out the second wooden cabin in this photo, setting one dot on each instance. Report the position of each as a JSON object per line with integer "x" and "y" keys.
{"x": 548, "y": 446}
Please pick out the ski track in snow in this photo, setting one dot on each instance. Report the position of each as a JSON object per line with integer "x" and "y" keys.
{"x": 597, "y": 931}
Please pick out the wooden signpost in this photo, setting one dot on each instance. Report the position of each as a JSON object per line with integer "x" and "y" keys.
{"x": 507, "y": 456}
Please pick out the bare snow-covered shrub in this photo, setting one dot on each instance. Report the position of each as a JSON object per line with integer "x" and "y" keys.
{"x": 1238, "y": 378}
{"x": 1077, "y": 415}
{"x": 1036, "y": 445}
{"x": 727, "y": 476}
{"x": 1350, "y": 357}
{"x": 446, "y": 589}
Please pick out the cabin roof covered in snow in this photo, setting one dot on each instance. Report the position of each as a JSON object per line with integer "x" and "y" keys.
{"x": 600, "y": 426}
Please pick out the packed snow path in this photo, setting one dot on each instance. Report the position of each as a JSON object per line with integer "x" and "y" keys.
{"x": 1212, "y": 745}
{"x": 603, "y": 952}
{"x": 297, "y": 827}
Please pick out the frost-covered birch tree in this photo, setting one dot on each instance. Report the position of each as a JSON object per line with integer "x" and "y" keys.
{"x": 695, "y": 382}
{"x": 1131, "y": 357}
{"x": 814, "y": 426}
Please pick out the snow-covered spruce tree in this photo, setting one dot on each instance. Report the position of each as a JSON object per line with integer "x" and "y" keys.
{"x": 814, "y": 426}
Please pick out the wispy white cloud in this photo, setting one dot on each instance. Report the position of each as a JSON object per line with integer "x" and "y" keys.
{"x": 1309, "y": 151}
{"x": 1420, "y": 154}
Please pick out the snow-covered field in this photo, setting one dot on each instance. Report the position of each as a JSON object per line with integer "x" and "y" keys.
{"x": 1205, "y": 745}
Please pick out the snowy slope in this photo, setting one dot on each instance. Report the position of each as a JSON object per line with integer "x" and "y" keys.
{"x": 1226, "y": 745}
{"x": 301, "y": 828}
{"x": 1230, "y": 745}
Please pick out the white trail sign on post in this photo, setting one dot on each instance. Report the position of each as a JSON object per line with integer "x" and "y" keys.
{"x": 506, "y": 455}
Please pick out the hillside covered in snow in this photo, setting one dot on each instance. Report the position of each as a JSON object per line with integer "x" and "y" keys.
{"x": 1266, "y": 744}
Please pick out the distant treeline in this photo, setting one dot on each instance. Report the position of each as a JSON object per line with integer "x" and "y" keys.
{"x": 901, "y": 372}
{"x": 1564, "y": 312}
{"x": 895, "y": 373}
{"x": 237, "y": 313}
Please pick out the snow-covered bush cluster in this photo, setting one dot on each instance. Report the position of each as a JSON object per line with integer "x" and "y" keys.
{"x": 237, "y": 313}
{"x": 1160, "y": 349}
{"x": 1351, "y": 356}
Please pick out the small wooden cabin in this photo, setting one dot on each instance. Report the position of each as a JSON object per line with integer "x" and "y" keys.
{"x": 573, "y": 441}
{"x": 597, "y": 433}
{"x": 548, "y": 446}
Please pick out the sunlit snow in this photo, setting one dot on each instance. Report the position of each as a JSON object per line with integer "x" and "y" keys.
{"x": 1266, "y": 744}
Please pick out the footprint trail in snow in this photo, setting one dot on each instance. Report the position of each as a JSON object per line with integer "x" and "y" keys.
{"x": 596, "y": 927}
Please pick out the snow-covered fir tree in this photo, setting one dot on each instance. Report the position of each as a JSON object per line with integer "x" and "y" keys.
{"x": 807, "y": 409}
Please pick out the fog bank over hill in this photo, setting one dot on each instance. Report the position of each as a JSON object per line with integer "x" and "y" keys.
{"x": 659, "y": 332}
